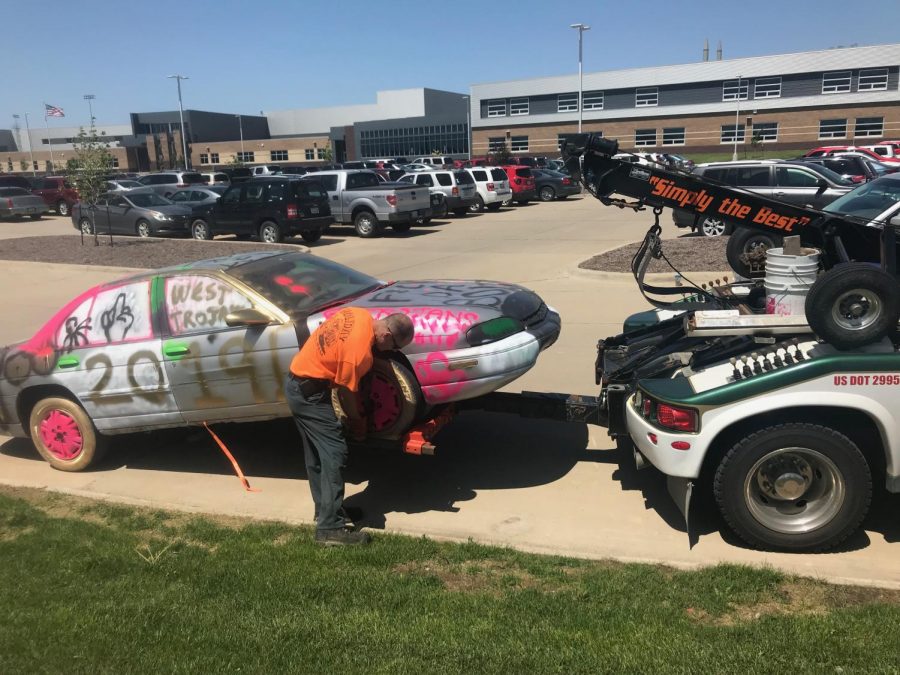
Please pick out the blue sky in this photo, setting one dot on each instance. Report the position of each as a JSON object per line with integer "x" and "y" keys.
{"x": 243, "y": 56}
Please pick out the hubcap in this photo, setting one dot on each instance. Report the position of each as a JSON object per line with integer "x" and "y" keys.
{"x": 794, "y": 490}
{"x": 856, "y": 309}
{"x": 63, "y": 209}
{"x": 386, "y": 397}
{"x": 365, "y": 225}
{"x": 144, "y": 230}
{"x": 199, "y": 231}
{"x": 713, "y": 227}
{"x": 60, "y": 435}
{"x": 86, "y": 227}
{"x": 546, "y": 194}
{"x": 268, "y": 235}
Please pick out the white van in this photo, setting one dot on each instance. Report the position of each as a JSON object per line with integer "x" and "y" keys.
{"x": 266, "y": 170}
{"x": 492, "y": 185}
{"x": 437, "y": 161}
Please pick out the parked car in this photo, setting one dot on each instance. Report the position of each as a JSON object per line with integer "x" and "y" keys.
{"x": 57, "y": 193}
{"x": 829, "y": 150}
{"x": 680, "y": 161}
{"x": 850, "y": 167}
{"x": 271, "y": 208}
{"x": 122, "y": 185}
{"x": 266, "y": 170}
{"x": 237, "y": 174}
{"x": 166, "y": 183}
{"x": 436, "y": 161}
{"x": 885, "y": 149}
{"x": 556, "y": 165}
{"x": 358, "y": 197}
{"x": 216, "y": 178}
{"x": 211, "y": 341}
{"x": 530, "y": 162}
{"x": 885, "y": 162}
{"x": 16, "y": 181}
{"x": 140, "y": 212}
{"x": 521, "y": 181}
{"x": 198, "y": 196}
{"x": 457, "y": 185}
{"x": 16, "y": 202}
{"x": 492, "y": 185}
{"x": 552, "y": 185}
{"x": 792, "y": 182}
{"x": 416, "y": 166}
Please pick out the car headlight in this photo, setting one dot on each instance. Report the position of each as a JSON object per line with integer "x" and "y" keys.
{"x": 160, "y": 216}
{"x": 493, "y": 330}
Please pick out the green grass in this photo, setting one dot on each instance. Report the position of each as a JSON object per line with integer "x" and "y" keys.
{"x": 701, "y": 157}
{"x": 88, "y": 587}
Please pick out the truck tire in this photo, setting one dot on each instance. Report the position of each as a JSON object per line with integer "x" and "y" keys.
{"x": 311, "y": 236}
{"x": 744, "y": 241}
{"x": 270, "y": 232}
{"x": 794, "y": 487}
{"x": 64, "y": 434}
{"x": 853, "y": 305}
{"x": 200, "y": 230}
{"x": 392, "y": 396}
{"x": 366, "y": 224}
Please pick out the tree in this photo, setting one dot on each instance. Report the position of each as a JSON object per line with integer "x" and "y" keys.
{"x": 756, "y": 143}
{"x": 328, "y": 155}
{"x": 87, "y": 171}
{"x": 501, "y": 155}
{"x": 235, "y": 161}
{"x": 23, "y": 165}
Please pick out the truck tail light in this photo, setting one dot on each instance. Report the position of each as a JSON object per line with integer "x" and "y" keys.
{"x": 490, "y": 187}
{"x": 455, "y": 192}
{"x": 391, "y": 200}
{"x": 679, "y": 419}
{"x": 292, "y": 211}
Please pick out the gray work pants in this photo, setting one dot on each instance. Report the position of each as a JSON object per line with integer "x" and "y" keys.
{"x": 324, "y": 449}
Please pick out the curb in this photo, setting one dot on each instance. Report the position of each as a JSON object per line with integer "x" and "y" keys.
{"x": 655, "y": 277}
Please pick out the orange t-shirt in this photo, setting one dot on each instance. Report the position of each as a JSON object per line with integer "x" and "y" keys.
{"x": 340, "y": 350}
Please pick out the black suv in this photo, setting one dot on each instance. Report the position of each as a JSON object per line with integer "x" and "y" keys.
{"x": 270, "y": 207}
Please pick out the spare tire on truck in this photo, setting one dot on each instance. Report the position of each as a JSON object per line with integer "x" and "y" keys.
{"x": 744, "y": 242}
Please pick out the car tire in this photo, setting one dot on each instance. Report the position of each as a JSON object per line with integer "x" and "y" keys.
{"x": 200, "y": 230}
{"x": 311, "y": 236}
{"x": 794, "y": 487}
{"x": 853, "y": 305}
{"x": 494, "y": 207}
{"x": 745, "y": 241}
{"x": 477, "y": 206}
{"x": 459, "y": 213}
{"x": 270, "y": 232}
{"x": 86, "y": 226}
{"x": 547, "y": 194}
{"x": 142, "y": 229}
{"x": 64, "y": 434}
{"x": 366, "y": 224}
{"x": 390, "y": 395}
{"x": 710, "y": 226}
{"x": 62, "y": 208}
{"x": 401, "y": 227}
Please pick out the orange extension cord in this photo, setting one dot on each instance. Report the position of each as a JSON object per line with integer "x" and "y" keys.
{"x": 237, "y": 468}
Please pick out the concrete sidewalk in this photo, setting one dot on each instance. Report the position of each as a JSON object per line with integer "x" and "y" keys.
{"x": 535, "y": 485}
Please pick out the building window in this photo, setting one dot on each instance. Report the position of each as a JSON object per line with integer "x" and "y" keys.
{"x": 204, "y": 158}
{"x": 732, "y": 133}
{"x": 114, "y": 163}
{"x": 496, "y": 143}
{"x": 646, "y": 97}
{"x": 766, "y": 132}
{"x": 214, "y": 158}
{"x": 567, "y": 103}
{"x": 735, "y": 90}
{"x": 836, "y": 83}
{"x": 767, "y": 87}
{"x": 592, "y": 100}
{"x": 875, "y": 79}
{"x": 644, "y": 137}
{"x": 833, "y": 128}
{"x": 320, "y": 153}
{"x": 278, "y": 155}
{"x": 673, "y": 136}
{"x": 246, "y": 156}
{"x": 497, "y": 108}
{"x": 869, "y": 126}
{"x": 309, "y": 153}
{"x": 518, "y": 106}
{"x": 519, "y": 144}
{"x": 34, "y": 165}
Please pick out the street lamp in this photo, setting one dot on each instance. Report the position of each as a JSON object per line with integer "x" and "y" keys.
{"x": 737, "y": 112}
{"x": 89, "y": 98}
{"x": 581, "y": 28}
{"x": 468, "y": 127}
{"x": 28, "y": 135}
{"x": 241, "y": 130}
{"x": 179, "y": 78}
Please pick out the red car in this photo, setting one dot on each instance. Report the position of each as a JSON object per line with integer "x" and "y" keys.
{"x": 521, "y": 180}
{"x": 56, "y": 192}
{"x": 829, "y": 150}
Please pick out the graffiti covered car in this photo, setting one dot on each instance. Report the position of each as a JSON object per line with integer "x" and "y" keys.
{"x": 212, "y": 341}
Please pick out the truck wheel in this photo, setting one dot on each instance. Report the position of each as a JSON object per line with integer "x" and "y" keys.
{"x": 401, "y": 227}
{"x": 311, "y": 236}
{"x": 64, "y": 434}
{"x": 200, "y": 230}
{"x": 745, "y": 246}
{"x": 794, "y": 487}
{"x": 270, "y": 232}
{"x": 711, "y": 226}
{"x": 391, "y": 394}
{"x": 852, "y": 305}
{"x": 366, "y": 224}
{"x": 62, "y": 208}
{"x": 478, "y": 205}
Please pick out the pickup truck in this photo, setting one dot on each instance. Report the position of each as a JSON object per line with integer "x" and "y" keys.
{"x": 358, "y": 197}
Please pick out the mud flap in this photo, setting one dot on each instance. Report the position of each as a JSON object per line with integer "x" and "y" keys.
{"x": 680, "y": 489}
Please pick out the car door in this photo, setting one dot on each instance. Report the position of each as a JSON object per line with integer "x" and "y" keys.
{"x": 226, "y": 210}
{"x": 253, "y": 198}
{"x": 796, "y": 185}
{"x": 118, "y": 215}
{"x": 110, "y": 356}
{"x": 219, "y": 372}
{"x": 756, "y": 178}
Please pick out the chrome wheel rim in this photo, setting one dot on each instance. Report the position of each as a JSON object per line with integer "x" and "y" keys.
{"x": 547, "y": 194}
{"x": 143, "y": 230}
{"x": 794, "y": 490}
{"x": 365, "y": 225}
{"x": 63, "y": 209}
{"x": 86, "y": 227}
{"x": 268, "y": 234}
{"x": 200, "y": 231}
{"x": 856, "y": 309}
{"x": 713, "y": 227}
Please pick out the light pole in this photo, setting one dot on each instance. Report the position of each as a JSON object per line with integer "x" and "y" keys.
{"x": 179, "y": 78}
{"x": 30, "y": 149}
{"x": 468, "y": 127}
{"x": 241, "y": 131}
{"x": 737, "y": 112}
{"x": 581, "y": 28}
{"x": 89, "y": 98}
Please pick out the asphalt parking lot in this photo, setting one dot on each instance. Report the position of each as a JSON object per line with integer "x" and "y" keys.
{"x": 535, "y": 485}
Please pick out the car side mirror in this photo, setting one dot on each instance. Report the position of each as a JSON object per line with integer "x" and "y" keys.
{"x": 823, "y": 185}
{"x": 247, "y": 317}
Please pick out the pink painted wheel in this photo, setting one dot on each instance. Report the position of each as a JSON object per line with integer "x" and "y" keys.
{"x": 64, "y": 434}
{"x": 395, "y": 400}
{"x": 387, "y": 401}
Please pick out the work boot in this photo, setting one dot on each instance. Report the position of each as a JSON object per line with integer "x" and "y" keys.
{"x": 342, "y": 537}
{"x": 351, "y": 514}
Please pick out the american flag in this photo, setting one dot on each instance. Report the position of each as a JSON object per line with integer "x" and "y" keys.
{"x": 53, "y": 111}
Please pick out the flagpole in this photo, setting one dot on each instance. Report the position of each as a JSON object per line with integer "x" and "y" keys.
{"x": 49, "y": 139}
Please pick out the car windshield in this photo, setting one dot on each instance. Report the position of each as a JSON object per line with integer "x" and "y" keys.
{"x": 129, "y": 184}
{"x": 192, "y": 178}
{"x": 868, "y": 200}
{"x": 833, "y": 176}
{"x": 880, "y": 169}
{"x": 300, "y": 283}
{"x": 148, "y": 199}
